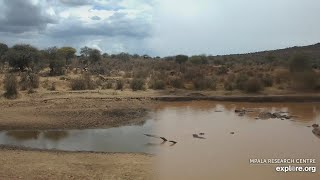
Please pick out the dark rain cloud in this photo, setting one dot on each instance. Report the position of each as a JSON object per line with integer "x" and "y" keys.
{"x": 96, "y": 18}
{"x": 117, "y": 25}
{"x": 22, "y": 16}
{"x": 75, "y": 2}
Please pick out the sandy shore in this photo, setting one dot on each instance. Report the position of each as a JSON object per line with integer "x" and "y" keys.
{"x": 27, "y": 164}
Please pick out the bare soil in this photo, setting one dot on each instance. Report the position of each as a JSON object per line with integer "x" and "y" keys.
{"x": 25, "y": 164}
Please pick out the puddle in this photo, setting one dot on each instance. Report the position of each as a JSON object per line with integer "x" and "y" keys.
{"x": 228, "y": 142}
{"x": 122, "y": 139}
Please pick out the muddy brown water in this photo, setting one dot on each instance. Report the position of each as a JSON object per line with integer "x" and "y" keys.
{"x": 220, "y": 155}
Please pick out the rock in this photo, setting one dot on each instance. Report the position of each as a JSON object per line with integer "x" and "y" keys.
{"x": 277, "y": 115}
{"x": 316, "y": 131}
{"x": 315, "y": 125}
{"x": 231, "y": 132}
{"x": 197, "y": 136}
{"x": 201, "y": 134}
{"x": 266, "y": 115}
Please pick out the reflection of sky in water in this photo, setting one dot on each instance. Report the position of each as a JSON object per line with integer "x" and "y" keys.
{"x": 176, "y": 121}
{"x": 122, "y": 139}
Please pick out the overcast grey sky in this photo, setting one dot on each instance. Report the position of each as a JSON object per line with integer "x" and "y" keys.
{"x": 162, "y": 27}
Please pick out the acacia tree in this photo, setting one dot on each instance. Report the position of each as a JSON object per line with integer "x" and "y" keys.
{"x": 90, "y": 55}
{"x": 22, "y": 56}
{"x": 94, "y": 56}
{"x": 56, "y": 61}
{"x": 181, "y": 59}
{"x": 3, "y": 49}
{"x": 67, "y": 53}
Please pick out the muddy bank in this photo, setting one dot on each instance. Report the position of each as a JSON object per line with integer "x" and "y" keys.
{"x": 22, "y": 164}
{"x": 72, "y": 113}
{"x": 258, "y": 98}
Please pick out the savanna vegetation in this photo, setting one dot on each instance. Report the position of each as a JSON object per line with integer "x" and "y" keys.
{"x": 26, "y": 68}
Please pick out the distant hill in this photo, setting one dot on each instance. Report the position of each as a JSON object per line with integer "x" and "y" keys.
{"x": 311, "y": 51}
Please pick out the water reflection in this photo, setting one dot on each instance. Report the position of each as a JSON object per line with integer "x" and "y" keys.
{"x": 230, "y": 140}
{"x": 304, "y": 112}
{"x": 23, "y": 135}
{"x": 55, "y": 135}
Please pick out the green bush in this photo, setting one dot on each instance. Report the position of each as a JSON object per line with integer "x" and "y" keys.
{"x": 253, "y": 85}
{"x": 137, "y": 84}
{"x": 10, "y": 86}
{"x": 157, "y": 84}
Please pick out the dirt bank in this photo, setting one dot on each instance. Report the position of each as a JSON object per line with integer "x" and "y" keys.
{"x": 72, "y": 113}
{"x": 26, "y": 164}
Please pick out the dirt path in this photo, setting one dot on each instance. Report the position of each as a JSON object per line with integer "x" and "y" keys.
{"x": 20, "y": 164}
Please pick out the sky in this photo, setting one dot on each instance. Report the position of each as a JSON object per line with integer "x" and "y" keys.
{"x": 162, "y": 27}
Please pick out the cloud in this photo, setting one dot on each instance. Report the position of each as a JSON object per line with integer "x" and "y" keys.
{"x": 75, "y": 2}
{"x": 118, "y": 24}
{"x": 96, "y": 18}
{"x": 161, "y": 27}
{"x": 23, "y": 16}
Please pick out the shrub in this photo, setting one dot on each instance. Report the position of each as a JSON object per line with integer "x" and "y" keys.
{"x": 305, "y": 80}
{"x": 205, "y": 83}
{"x": 78, "y": 84}
{"x": 253, "y": 85}
{"x": 267, "y": 80}
{"x": 281, "y": 75}
{"x": 222, "y": 70}
{"x": 228, "y": 85}
{"x": 140, "y": 74}
{"x": 22, "y": 56}
{"x": 90, "y": 84}
{"x": 299, "y": 63}
{"x": 120, "y": 85}
{"x": 157, "y": 84}
{"x": 137, "y": 84}
{"x": 56, "y": 67}
{"x": 52, "y": 87}
{"x": 177, "y": 83}
{"x": 108, "y": 85}
{"x": 10, "y": 86}
{"x": 83, "y": 83}
{"x": 29, "y": 81}
{"x": 241, "y": 80}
